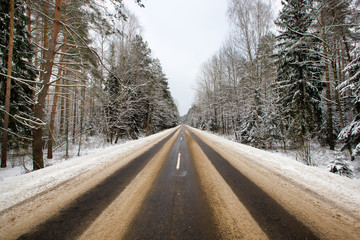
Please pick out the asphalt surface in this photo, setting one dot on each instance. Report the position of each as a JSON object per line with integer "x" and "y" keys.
{"x": 274, "y": 220}
{"x": 175, "y": 205}
{"x": 72, "y": 221}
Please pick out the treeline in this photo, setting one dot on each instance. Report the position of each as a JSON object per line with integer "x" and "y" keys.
{"x": 77, "y": 68}
{"x": 285, "y": 82}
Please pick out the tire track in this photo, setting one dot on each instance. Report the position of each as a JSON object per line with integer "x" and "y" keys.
{"x": 74, "y": 219}
{"x": 274, "y": 220}
{"x": 176, "y": 207}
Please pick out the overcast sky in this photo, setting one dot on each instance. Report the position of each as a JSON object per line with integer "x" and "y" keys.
{"x": 183, "y": 34}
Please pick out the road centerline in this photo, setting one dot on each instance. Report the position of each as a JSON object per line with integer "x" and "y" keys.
{"x": 176, "y": 207}
{"x": 178, "y": 161}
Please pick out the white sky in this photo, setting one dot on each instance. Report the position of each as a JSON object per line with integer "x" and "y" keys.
{"x": 183, "y": 34}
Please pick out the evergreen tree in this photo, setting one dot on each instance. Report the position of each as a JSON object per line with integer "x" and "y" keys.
{"x": 334, "y": 24}
{"x": 114, "y": 90}
{"x": 139, "y": 100}
{"x": 141, "y": 83}
{"x": 299, "y": 72}
{"x": 350, "y": 88}
{"x": 162, "y": 112}
{"x": 22, "y": 88}
{"x": 258, "y": 124}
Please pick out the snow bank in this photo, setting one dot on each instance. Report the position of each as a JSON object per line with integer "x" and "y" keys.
{"x": 16, "y": 189}
{"x": 341, "y": 190}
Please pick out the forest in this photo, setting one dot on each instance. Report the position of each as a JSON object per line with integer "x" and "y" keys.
{"x": 70, "y": 69}
{"x": 287, "y": 82}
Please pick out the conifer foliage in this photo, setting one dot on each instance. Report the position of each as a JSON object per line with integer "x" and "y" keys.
{"x": 286, "y": 82}
{"x": 298, "y": 80}
{"x": 138, "y": 93}
{"x": 350, "y": 135}
{"x": 79, "y": 69}
{"x": 23, "y": 74}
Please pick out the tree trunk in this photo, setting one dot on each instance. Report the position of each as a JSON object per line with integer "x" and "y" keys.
{"x": 45, "y": 38}
{"x": 82, "y": 116}
{"x": 149, "y": 129}
{"x": 55, "y": 98}
{"x": 347, "y": 49}
{"x": 223, "y": 123}
{"x": 74, "y": 113}
{"x": 39, "y": 106}
{"x": 52, "y": 116}
{"x": 29, "y": 24}
{"x": 339, "y": 65}
{"x": 62, "y": 111}
{"x": 8, "y": 87}
{"x": 329, "y": 109}
{"x": 328, "y": 86}
{"x": 338, "y": 104}
{"x": 67, "y": 119}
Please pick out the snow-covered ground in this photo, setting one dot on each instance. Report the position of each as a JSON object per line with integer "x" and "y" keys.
{"x": 343, "y": 191}
{"x": 18, "y": 164}
{"x": 21, "y": 163}
{"x": 16, "y": 187}
{"x": 325, "y": 158}
{"x": 321, "y": 157}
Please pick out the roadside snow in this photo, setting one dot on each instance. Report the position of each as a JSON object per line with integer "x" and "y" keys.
{"x": 17, "y": 162}
{"x": 15, "y": 189}
{"x": 324, "y": 158}
{"x": 339, "y": 189}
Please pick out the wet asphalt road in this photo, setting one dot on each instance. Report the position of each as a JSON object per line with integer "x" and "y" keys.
{"x": 73, "y": 221}
{"x": 274, "y": 220}
{"x": 176, "y": 206}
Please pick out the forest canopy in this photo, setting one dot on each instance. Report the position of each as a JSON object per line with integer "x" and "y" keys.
{"x": 78, "y": 68}
{"x": 285, "y": 80}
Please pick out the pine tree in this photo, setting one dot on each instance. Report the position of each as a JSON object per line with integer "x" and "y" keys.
{"x": 22, "y": 69}
{"x": 333, "y": 21}
{"x": 299, "y": 72}
{"x": 162, "y": 112}
{"x": 140, "y": 81}
{"x": 350, "y": 88}
{"x": 139, "y": 100}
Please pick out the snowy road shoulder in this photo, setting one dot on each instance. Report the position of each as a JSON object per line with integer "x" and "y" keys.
{"x": 342, "y": 191}
{"x": 14, "y": 190}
